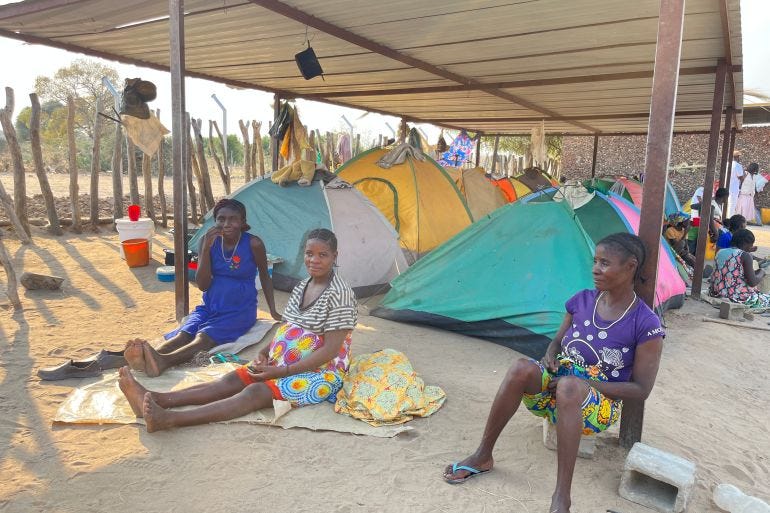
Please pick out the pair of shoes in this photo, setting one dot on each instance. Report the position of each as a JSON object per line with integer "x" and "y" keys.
{"x": 70, "y": 369}
{"x": 90, "y": 367}
{"x": 472, "y": 473}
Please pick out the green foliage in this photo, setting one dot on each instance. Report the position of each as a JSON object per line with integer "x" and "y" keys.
{"x": 234, "y": 149}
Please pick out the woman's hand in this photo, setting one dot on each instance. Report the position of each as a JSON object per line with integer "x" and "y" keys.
{"x": 275, "y": 315}
{"x": 261, "y": 358}
{"x": 549, "y": 360}
{"x": 211, "y": 236}
{"x": 262, "y": 373}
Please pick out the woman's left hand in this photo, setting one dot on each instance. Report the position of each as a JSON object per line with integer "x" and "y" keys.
{"x": 265, "y": 372}
{"x": 275, "y": 315}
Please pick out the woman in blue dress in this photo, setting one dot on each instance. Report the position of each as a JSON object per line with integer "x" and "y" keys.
{"x": 229, "y": 260}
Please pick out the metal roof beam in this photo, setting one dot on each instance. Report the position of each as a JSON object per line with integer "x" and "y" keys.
{"x": 537, "y": 82}
{"x": 628, "y": 115}
{"x": 26, "y": 8}
{"x": 362, "y": 42}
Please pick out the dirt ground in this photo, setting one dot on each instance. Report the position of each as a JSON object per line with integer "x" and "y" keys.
{"x": 710, "y": 405}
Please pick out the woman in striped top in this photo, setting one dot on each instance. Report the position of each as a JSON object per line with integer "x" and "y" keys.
{"x": 304, "y": 364}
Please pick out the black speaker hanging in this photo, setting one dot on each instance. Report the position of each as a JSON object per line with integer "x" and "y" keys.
{"x": 308, "y": 64}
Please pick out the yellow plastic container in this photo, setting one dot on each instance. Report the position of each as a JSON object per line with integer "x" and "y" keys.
{"x": 765, "y": 215}
{"x": 711, "y": 251}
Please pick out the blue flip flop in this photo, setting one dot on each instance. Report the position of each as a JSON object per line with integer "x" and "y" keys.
{"x": 473, "y": 473}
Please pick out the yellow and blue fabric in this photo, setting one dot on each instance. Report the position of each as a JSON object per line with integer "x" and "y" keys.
{"x": 383, "y": 388}
{"x": 599, "y": 411}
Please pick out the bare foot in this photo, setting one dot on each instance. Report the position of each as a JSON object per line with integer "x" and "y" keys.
{"x": 132, "y": 389}
{"x": 134, "y": 354}
{"x": 155, "y": 416}
{"x": 480, "y": 464}
{"x": 559, "y": 505}
{"x": 153, "y": 361}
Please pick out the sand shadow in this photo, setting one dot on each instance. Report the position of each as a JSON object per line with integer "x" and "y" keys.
{"x": 99, "y": 277}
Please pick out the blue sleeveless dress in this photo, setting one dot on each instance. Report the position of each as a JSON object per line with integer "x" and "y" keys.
{"x": 229, "y": 306}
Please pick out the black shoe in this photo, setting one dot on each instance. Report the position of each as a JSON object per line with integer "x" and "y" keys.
{"x": 70, "y": 369}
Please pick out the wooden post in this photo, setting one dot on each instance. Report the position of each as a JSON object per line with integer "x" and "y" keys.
{"x": 708, "y": 186}
{"x": 729, "y": 170}
{"x": 96, "y": 165}
{"x": 357, "y": 148}
{"x": 224, "y": 168}
{"x": 5, "y": 260}
{"x": 593, "y": 158}
{"x": 330, "y": 150}
{"x": 133, "y": 182}
{"x": 275, "y": 144}
{"x": 178, "y": 138}
{"x": 199, "y": 165}
{"x": 192, "y": 167}
{"x": 149, "y": 207}
{"x": 19, "y": 175}
{"x": 659, "y": 134}
{"x": 117, "y": 173}
{"x": 37, "y": 157}
{"x": 725, "y": 146}
{"x": 246, "y": 150}
{"x": 162, "y": 180}
{"x": 478, "y": 149}
{"x": 7, "y": 203}
{"x": 494, "y": 155}
{"x": 73, "y": 165}
{"x": 256, "y": 149}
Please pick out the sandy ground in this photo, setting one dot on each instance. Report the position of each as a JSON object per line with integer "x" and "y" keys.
{"x": 710, "y": 405}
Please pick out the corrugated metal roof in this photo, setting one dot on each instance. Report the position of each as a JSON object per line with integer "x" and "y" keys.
{"x": 499, "y": 66}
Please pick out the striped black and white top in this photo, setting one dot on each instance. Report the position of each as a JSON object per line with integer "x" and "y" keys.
{"x": 335, "y": 309}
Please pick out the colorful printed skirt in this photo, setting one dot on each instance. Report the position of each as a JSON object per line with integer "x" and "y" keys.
{"x": 599, "y": 412}
{"x": 291, "y": 344}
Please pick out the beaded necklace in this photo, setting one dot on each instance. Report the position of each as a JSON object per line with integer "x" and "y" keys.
{"x": 602, "y": 330}
{"x": 235, "y": 248}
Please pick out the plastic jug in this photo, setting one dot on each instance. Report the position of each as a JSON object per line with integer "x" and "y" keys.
{"x": 730, "y": 498}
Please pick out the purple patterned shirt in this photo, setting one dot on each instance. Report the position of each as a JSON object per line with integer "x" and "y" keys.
{"x": 592, "y": 341}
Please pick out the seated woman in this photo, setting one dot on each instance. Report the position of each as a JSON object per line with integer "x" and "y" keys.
{"x": 675, "y": 233}
{"x": 735, "y": 278}
{"x": 607, "y": 349}
{"x": 229, "y": 259}
{"x": 735, "y": 223}
{"x": 304, "y": 364}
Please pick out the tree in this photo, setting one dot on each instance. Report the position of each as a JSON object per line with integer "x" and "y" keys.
{"x": 83, "y": 81}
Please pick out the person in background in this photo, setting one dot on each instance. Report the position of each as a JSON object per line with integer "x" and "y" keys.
{"x": 734, "y": 277}
{"x": 735, "y": 223}
{"x": 675, "y": 233}
{"x": 720, "y": 196}
{"x": 748, "y": 189}
{"x": 736, "y": 179}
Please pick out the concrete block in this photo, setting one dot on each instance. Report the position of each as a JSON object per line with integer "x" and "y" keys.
{"x": 585, "y": 449}
{"x": 732, "y": 311}
{"x": 657, "y": 479}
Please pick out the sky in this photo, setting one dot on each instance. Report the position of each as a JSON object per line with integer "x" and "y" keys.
{"x": 246, "y": 104}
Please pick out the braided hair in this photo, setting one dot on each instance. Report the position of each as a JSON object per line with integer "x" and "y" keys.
{"x": 628, "y": 245}
{"x": 324, "y": 235}
{"x": 234, "y": 205}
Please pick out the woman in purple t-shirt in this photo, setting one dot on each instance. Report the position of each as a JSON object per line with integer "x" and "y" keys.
{"x": 606, "y": 350}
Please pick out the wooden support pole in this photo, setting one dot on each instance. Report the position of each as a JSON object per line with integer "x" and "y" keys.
{"x": 357, "y": 147}
{"x": 13, "y": 288}
{"x": 256, "y": 149}
{"x": 729, "y": 169}
{"x": 224, "y": 169}
{"x": 117, "y": 174}
{"x": 725, "y": 161}
{"x": 162, "y": 180}
{"x": 593, "y": 157}
{"x": 133, "y": 182}
{"x": 478, "y": 149}
{"x": 19, "y": 175}
{"x": 7, "y": 203}
{"x": 660, "y": 129}
{"x": 708, "y": 186}
{"x": 246, "y": 150}
{"x": 37, "y": 157}
{"x": 72, "y": 159}
{"x": 178, "y": 143}
{"x": 275, "y": 144}
{"x": 149, "y": 207}
{"x": 96, "y": 165}
{"x": 494, "y": 155}
{"x": 192, "y": 170}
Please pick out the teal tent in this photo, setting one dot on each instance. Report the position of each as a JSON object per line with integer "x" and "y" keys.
{"x": 369, "y": 251}
{"x": 504, "y": 278}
